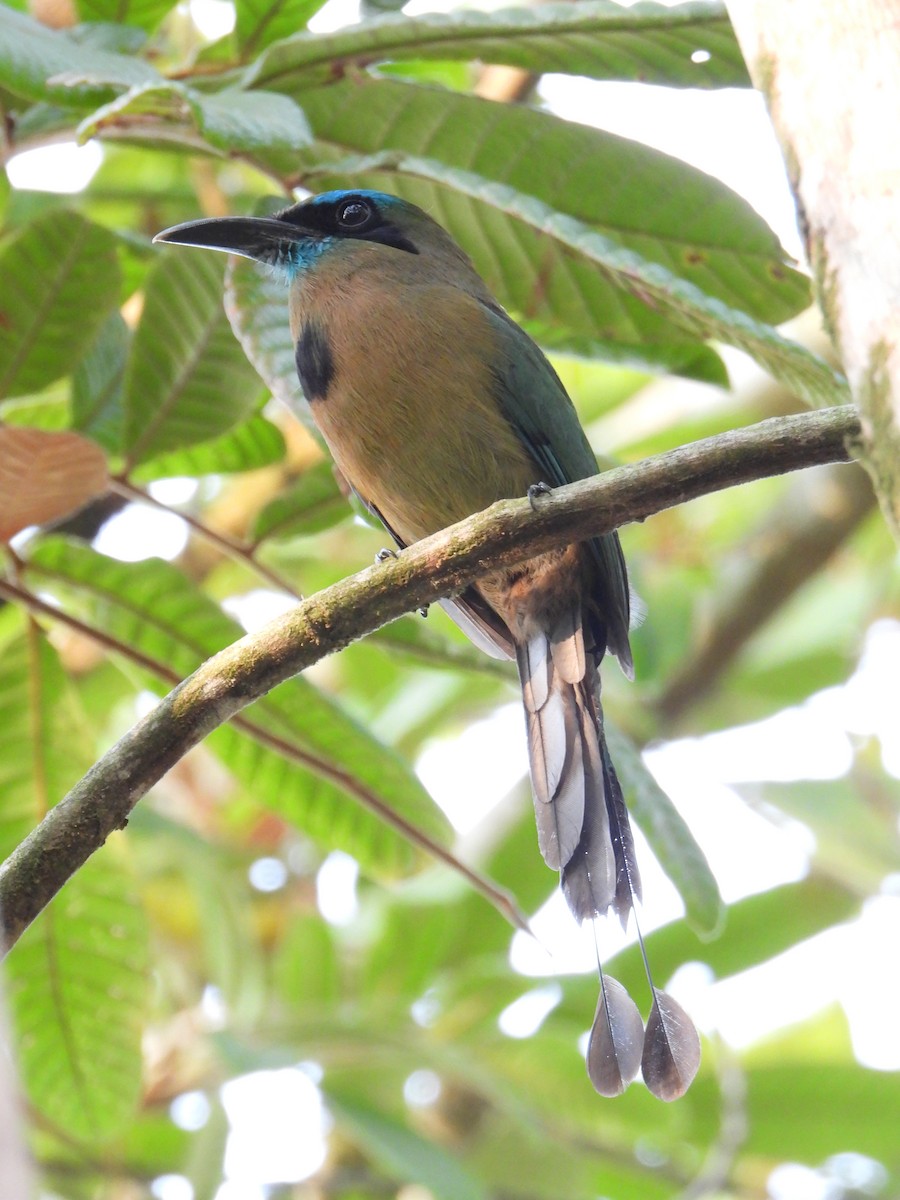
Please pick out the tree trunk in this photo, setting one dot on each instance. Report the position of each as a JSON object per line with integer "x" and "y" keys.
{"x": 830, "y": 72}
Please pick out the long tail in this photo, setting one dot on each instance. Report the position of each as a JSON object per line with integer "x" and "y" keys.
{"x": 582, "y": 822}
{"x": 584, "y": 832}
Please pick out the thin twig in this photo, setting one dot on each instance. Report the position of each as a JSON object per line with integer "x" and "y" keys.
{"x": 234, "y": 549}
{"x": 486, "y": 887}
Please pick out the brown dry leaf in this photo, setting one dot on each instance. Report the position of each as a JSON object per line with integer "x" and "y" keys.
{"x": 46, "y": 475}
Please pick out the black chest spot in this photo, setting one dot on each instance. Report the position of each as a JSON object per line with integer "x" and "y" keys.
{"x": 315, "y": 363}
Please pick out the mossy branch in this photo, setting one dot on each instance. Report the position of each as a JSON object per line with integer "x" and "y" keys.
{"x": 438, "y": 566}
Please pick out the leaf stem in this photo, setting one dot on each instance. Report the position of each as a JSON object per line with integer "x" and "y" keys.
{"x": 232, "y": 547}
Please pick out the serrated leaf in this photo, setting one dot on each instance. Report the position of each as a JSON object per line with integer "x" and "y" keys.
{"x": 668, "y": 834}
{"x": 59, "y": 278}
{"x": 650, "y": 43}
{"x": 97, "y": 409}
{"x": 323, "y": 811}
{"x": 154, "y": 608}
{"x": 78, "y": 990}
{"x": 77, "y": 981}
{"x": 313, "y": 503}
{"x": 187, "y": 379}
{"x": 616, "y": 1040}
{"x": 634, "y": 198}
{"x": 254, "y": 443}
{"x": 46, "y": 475}
{"x": 44, "y": 64}
{"x": 260, "y": 22}
{"x": 671, "y": 1055}
{"x": 644, "y": 280}
{"x": 231, "y": 120}
{"x": 641, "y": 198}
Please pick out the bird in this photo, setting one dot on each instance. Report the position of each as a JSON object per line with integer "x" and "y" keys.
{"x": 434, "y": 403}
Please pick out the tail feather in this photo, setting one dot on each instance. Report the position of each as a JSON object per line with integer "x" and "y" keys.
{"x": 567, "y": 647}
{"x": 533, "y": 658}
{"x": 555, "y": 748}
{"x": 628, "y": 877}
{"x": 589, "y": 877}
{"x": 584, "y": 832}
{"x": 548, "y": 745}
{"x": 582, "y": 821}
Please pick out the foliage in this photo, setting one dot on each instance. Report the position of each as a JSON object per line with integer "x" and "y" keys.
{"x": 120, "y": 369}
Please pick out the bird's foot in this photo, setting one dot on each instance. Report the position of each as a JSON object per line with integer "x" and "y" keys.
{"x": 384, "y": 554}
{"x": 537, "y": 489}
{"x": 423, "y": 611}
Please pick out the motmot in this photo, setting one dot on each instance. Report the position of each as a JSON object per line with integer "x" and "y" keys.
{"x": 434, "y": 404}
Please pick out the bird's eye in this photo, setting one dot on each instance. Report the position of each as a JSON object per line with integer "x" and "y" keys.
{"x": 353, "y": 214}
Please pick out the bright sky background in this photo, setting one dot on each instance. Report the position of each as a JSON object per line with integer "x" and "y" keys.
{"x": 725, "y": 133}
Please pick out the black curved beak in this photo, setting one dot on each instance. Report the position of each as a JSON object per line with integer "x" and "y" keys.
{"x": 264, "y": 239}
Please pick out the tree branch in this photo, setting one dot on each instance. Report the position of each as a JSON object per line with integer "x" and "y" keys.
{"x": 780, "y": 556}
{"x": 506, "y": 534}
{"x": 495, "y": 895}
{"x": 843, "y": 159}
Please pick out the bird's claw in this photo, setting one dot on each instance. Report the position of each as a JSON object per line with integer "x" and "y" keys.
{"x": 423, "y": 611}
{"x": 384, "y": 554}
{"x": 537, "y": 489}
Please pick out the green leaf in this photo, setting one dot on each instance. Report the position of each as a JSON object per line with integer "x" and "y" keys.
{"x": 112, "y": 34}
{"x": 252, "y": 121}
{"x": 306, "y": 968}
{"x": 650, "y": 43}
{"x": 157, "y": 610}
{"x": 854, "y": 822}
{"x": 600, "y": 245}
{"x": 97, "y": 409}
{"x": 5, "y": 194}
{"x": 231, "y": 120}
{"x": 78, "y": 989}
{"x": 806, "y": 1112}
{"x": 758, "y": 928}
{"x": 142, "y": 107}
{"x": 256, "y": 301}
{"x": 260, "y": 22}
{"x": 668, "y": 834}
{"x": 44, "y": 64}
{"x": 336, "y": 748}
{"x": 403, "y": 1153}
{"x": 145, "y": 14}
{"x": 76, "y": 981}
{"x": 59, "y": 277}
{"x": 186, "y": 380}
{"x": 49, "y": 411}
{"x": 254, "y": 443}
{"x": 683, "y": 303}
{"x": 313, "y": 503}
{"x": 643, "y": 200}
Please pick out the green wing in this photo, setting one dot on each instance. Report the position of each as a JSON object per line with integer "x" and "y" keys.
{"x": 538, "y": 407}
